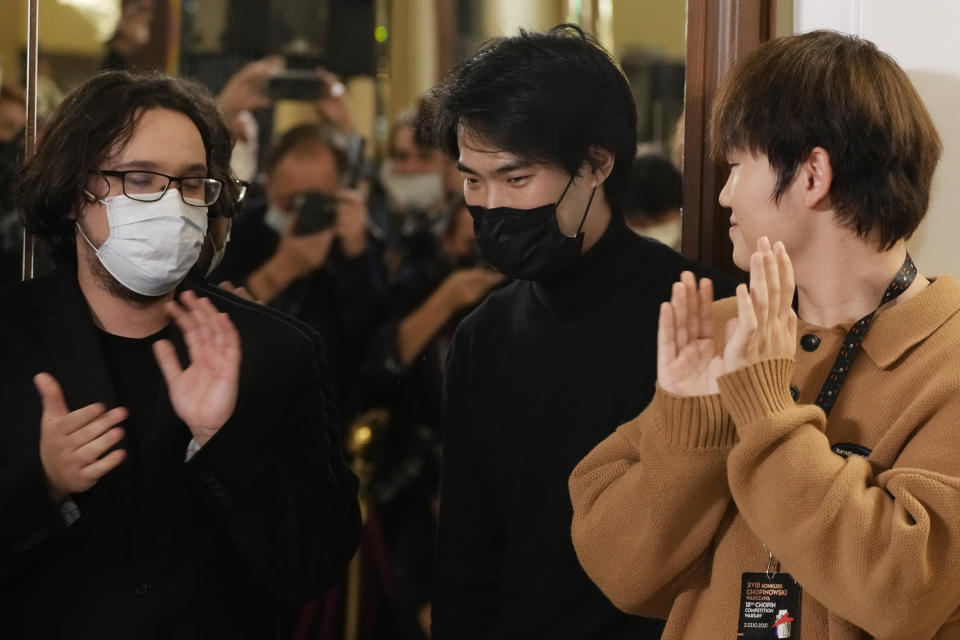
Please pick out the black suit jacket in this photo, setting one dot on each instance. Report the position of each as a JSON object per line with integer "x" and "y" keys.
{"x": 264, "y": 513}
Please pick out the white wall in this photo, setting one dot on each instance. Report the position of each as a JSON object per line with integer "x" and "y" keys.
{"x": 922, "y": 36}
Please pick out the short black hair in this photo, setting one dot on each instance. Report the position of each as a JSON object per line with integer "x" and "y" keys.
{"x": 836, "y": 91}
{"x": 94, "y": 120}
{"x": 546, "y": 97}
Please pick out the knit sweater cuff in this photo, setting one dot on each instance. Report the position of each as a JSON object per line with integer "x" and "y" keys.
{"x": 694, "y": 421}
{"x": 759, "y": 390}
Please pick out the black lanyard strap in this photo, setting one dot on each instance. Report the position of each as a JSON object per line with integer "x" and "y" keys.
{"x": 854, "y": 340}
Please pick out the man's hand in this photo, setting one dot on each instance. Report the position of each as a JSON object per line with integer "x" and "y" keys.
{"x": 351, "y": 225}
{"x": 295, "y": 257}
{"x": 466, "y": 287}
{"x": 204, "y": 394}
{"x": 244, "y": 90}
{"x": 240, "y": 292}
{"x": 298, "y": 255}
{"x": 71, "y": 442}
{"x": 334, "y": 106}
{"x": 687, "y": 360}
{"x": 766, "y": 324}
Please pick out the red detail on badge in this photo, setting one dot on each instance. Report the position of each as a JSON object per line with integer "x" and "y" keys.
{"x": 784, "y": 620}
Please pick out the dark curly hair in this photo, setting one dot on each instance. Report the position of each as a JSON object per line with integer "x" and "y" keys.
{"x": 96, "y": 118}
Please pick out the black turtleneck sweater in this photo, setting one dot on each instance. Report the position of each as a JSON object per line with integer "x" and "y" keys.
{"x": 536, "y": 377}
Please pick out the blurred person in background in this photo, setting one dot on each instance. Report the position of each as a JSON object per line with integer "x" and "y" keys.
{"x": 430, "y": 295}
{"x": 306, "y": 250}
{"x": 653, "y": 199}
{"x": 415, "y": 184}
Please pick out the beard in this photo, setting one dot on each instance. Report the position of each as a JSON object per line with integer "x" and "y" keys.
{"x": 111, "y": 285}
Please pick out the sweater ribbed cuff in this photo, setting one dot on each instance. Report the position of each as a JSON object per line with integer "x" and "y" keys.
{"x": 759, "y": 390}
{"x": 694, "y": 421}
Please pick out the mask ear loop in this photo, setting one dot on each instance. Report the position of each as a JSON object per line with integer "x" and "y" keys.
{"x": 586, "y": 211}
{"x": 565, "y": 189}
{"x": 90, "y": 198}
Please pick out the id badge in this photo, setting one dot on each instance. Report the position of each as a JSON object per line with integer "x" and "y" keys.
{"x": 769, "y": 606}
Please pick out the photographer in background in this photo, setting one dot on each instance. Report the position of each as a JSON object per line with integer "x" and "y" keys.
{"x": 306, "y": 251}
{"x": 431, "y": 294}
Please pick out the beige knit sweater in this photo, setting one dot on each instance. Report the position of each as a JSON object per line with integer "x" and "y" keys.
{"x": 674, "y": 506}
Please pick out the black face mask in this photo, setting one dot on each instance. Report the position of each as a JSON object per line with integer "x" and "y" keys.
{"x": 527, "y": 243}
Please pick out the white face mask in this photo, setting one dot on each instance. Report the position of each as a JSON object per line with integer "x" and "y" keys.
{"x": 218, "y": 254}
{"x": 412, "y": 191}
{"x": 151, "y": 245}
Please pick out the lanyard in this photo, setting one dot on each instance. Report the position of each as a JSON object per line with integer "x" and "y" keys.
{"x": 854, "y": 340}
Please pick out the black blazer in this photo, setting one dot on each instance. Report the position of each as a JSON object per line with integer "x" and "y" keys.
{"x": 264, "y": 514}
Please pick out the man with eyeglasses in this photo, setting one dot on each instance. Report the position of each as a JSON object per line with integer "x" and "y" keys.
{"x": 167, "y": 466}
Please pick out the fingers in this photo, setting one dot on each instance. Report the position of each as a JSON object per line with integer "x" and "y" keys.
{"x": 693, "y": 306}
{"x": 98, "y": 469}
{"x": 204, "y": 328}
{"x": 51, "y": 396}
{"x": 492, "y": 278}
{"x": 91, "y": 451}
{"x": 57, "y": 418}
{"x": 168, "y": 361}
{"x": 679, "y": 303}
{"x": 742, "y": 333}
{"x": 93, "y": 429}
{"x": 758, "y": 287}
{"x": 772, "y": 279}
{"x": 788, "y": 283}
{"x": 666, "y": 338}
{"x": 348, "y": 195}
{"x": 706, "y": 305}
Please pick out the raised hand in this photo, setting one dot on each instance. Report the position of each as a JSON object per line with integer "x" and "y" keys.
{"x": 687, "y": 360}
{"x": 351, "y": 225}
{"x": 204, "y": 394}
{"x": 71, "y": 442}
{"x": 766, "y": 324}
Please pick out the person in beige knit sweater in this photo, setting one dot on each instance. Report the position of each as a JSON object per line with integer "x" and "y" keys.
{"x": 763, "y": 476}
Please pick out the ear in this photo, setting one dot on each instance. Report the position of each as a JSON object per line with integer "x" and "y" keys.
{"x": 815, "y": 176}
{"x": 599, "y": 164}
{"x": 86, "y": 198}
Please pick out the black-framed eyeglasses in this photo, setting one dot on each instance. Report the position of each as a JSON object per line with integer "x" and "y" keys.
{"x": 150, "y": 186}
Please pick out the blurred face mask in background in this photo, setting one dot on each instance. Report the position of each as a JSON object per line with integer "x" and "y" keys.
{"x": 412, "y": 191}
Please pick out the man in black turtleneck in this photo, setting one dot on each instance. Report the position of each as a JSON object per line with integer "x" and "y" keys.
{"x": 543, "y": 127}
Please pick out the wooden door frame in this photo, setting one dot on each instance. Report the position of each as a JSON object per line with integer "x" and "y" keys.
{"x": 718, "y": 33}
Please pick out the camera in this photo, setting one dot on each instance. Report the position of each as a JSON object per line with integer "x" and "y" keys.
{"x": 296, "y": 84}
{"x": 315, "y": 212}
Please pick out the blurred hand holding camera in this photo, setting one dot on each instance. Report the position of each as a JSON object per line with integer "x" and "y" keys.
{"x": 334, "y": 104}
{"x": 295, "y": 257}
{"x": 351, "y": 223}
{"x": 245, "y": 90}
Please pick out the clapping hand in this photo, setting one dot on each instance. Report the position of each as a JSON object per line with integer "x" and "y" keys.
{"x": 74, "y": 444}
{"x": 766, "y": 324}
{"x": 687, "y": 359}
{"x": 204, "y": 394}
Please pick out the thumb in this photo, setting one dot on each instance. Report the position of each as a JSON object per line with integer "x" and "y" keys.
{"x": 51, "y": 395}
{"x": 167, "y": 358}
